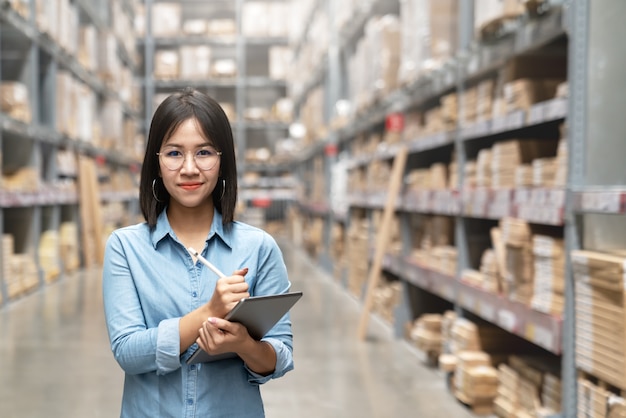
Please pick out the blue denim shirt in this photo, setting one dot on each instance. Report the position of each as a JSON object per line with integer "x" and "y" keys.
{"x": 149, "y": 283}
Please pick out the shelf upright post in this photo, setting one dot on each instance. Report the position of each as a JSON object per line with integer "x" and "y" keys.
{"x": 466, "y": 19}
{"x": 31, "y": 79}
{"x": 240, "y": 91}
{"x": 332, "y": 85}
{"x": 148, "y": 67}
{"x": 3, "y": 289}
{"x": 578, "y": 14}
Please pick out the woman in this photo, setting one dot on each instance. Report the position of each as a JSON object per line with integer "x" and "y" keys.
{"x": 161, "y": 304}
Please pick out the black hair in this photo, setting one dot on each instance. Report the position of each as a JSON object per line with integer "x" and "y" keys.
{"x": 174, "y": 110}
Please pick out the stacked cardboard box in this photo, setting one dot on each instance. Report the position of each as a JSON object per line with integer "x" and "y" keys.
{"x": 49, "y": 255}
{"x": 483, "y": 168}
{"x": 470, "y": 104}
{"x": 386, "y": 298}
{"x": 522, "y": 93}
{"x": 470, "y": 175}
{"x": 518, "y": 277}
{"x": 19, "y": 271}
{"x": 195, "y": 62}
{"x": 21, "y": 6}
{"x": 272, "y": 25}
{"x": 279, "y": 62}
{"x": 166, "y": 64}
{"x": 313, "y": 236}
{"x": 549, "y": 276}
{"x": 525, "y": 390}
{"x": 414, "y": 23}
{"x": 600, "y": 315}
{"x": 14, "y": 100}
{"x": 433, "y": 178}
{"x": 12, "y": 282}
{"x": 524, "y": 176}
{"x": 484, "y": 99}
{"x": 489, "y": 14}
{"x": 449, "y": 111}
{"x": 473, "y": 277}
{"x": 453, "y": 174}
{"x": 68, "y": 246}
{"x": 357, "y": 255}
{"x": 87, "y": 54}
{"x": 491, "y": 278}
{"x": 433, "y": 121}
{"x": 506, "y": 401}
{"x": 544, "y": 172}
{"x": 385, "y": 39}
{"x": 551, "y": 390}
{"x": 25, "y": 179}
{"x": 444, "y": 259}
{"x": 597, "y": 401}
{"x": 560, "y": 177}
{"x": 166, "y": 19}
{"x": 476, "y": 381}
{"x": 425, "y": 333}
{"x": 508, "y": 155}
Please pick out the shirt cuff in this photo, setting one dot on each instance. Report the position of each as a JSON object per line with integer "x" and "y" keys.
{"x": 284, "y": 363}
{"x": 168, "y": 346}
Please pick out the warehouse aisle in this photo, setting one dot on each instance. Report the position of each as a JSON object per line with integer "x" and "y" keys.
{"x": 55, "y": 359}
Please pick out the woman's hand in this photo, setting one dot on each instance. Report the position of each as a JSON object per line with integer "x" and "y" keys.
{"x": 219, "y": 336}
{"x": 228, "y": 291}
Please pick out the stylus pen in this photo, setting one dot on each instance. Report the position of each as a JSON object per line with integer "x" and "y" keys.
{"x": 206, "y": 262}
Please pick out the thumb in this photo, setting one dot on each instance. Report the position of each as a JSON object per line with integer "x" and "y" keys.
{"x": 241, "y": 272}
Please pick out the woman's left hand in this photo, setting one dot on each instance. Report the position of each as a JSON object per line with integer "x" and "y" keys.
{"x": 219, "y": 336}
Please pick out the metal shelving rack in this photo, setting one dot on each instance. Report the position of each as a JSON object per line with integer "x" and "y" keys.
{"x": 589, "y": 209}
{"x": 34, "y": 58}
{"x": 251, "y": 83}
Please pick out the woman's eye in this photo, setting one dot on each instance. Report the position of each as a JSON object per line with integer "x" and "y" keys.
{"x": 206, "y": 152}
{"x": 173, "y": 153}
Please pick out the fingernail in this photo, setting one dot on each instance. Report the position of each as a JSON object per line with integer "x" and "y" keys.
{"x": 212, "y": 320}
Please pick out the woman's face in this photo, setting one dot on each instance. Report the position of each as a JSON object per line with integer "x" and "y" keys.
{"x": 189, "y": 166}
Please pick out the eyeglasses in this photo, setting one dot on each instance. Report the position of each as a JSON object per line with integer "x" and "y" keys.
{"x": 205, "y": 158}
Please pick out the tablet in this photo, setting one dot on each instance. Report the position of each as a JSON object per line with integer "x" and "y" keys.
{"x": 258, "y": 313}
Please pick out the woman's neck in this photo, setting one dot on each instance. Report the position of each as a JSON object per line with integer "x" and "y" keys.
{"x": 191, "y": 225}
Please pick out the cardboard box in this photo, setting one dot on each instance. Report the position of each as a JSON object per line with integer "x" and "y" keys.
{"x": 166, "y": 19}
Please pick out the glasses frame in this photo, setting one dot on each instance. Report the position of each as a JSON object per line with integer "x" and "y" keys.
{"x": 217, "y": 153}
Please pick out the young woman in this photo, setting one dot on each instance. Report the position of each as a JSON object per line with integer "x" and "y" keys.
{"x": 161, "y": 304}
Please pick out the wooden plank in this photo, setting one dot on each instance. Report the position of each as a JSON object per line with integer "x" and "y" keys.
{"x": 382, "y": 236}
{"x": 90, "y": 212}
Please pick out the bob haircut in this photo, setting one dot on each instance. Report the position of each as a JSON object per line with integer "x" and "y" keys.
{"x": 174, "y": 110}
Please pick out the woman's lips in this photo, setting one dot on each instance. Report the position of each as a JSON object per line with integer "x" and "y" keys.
{"x": 190, "y": 186}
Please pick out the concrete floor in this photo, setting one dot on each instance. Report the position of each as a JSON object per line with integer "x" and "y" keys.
{"x": 55, "y": 359}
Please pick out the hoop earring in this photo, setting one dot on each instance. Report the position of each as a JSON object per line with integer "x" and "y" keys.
{"x": 223, "y": 189}
{"x": 154, "y": 192}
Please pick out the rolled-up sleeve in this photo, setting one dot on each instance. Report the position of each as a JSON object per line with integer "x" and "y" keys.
{"x": 273, "y": 280}
{"x": 137, "y": 347}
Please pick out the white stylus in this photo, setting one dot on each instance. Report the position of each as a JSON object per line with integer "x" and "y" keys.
{"x": 206, "y": 262}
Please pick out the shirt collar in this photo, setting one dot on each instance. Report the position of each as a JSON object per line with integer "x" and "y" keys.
{"x": 163, "y": 228}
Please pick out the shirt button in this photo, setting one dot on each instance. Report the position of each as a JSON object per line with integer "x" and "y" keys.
{"x": 192, "y": 367}
{"x": 194, "y": 294}
{"x": 189, "y": 401}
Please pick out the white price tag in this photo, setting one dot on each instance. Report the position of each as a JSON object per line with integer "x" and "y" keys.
{"x": 544, "y": 338}
{"x": 535, "y": 115}
{"x": 487, "y": 311}
{"x": 507, "y": 320}
{"x": 556, "y": 109}
{"x": 515, "y": 120}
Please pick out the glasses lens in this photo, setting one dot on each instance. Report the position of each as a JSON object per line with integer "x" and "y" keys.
{"x": 205, "y": 158}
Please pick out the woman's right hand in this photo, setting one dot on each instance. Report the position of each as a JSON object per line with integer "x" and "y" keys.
{"x": 228, "y": 291}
